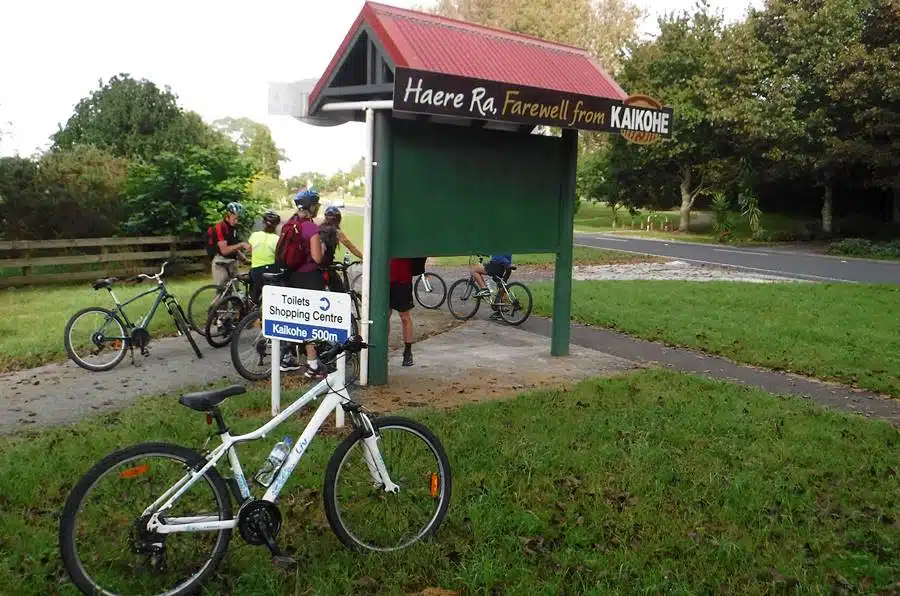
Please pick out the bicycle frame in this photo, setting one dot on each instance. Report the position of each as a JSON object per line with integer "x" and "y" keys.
{"x": 210, "y": 523}
{"x": 163, "y": 296}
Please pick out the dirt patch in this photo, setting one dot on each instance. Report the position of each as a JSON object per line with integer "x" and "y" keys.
{"x": 481, "y": 361}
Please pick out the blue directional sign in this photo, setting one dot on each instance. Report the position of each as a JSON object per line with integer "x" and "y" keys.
{"x": 305, "y": 315}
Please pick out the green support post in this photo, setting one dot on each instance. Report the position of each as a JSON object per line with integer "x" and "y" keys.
{"x": 562, "y": 276}
{"x": 379, "y": 303}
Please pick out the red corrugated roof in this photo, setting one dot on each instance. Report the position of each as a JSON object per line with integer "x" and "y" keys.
{"x": 429, "y": 42}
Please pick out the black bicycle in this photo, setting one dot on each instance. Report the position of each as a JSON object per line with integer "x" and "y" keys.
{"x": 251, "y": 350}
{"x": 509, "y": 301}
{"x": 97, "y": 331}
{"x": 230, "y": 298}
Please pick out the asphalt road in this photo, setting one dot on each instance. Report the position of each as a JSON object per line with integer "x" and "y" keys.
{"x": 787, "y": 262}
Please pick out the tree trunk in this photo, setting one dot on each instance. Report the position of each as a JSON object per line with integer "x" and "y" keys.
{"x": 896, "y": 215}
{"x": 827, "y": 208}
{"x": 684, "y": 223}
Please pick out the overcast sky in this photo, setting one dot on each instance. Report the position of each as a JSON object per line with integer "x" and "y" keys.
{"x": 217, "y": 56}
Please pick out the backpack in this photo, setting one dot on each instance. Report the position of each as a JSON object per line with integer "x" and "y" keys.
{"x": 290, "y": 253}
{"x": 211, "y": 245}
{"x": 418, "y": 265}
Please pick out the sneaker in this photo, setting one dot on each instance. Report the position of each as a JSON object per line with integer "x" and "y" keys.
{"x": 483, "y": 293}
{"x": 319, "y": 371}
{"x": 290, "y": 363}
{"x": 407, "y": 359}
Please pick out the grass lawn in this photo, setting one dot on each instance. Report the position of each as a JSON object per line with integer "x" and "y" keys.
{"x": 843, "y": 332}
{"x": 656, "y": 482}
{"x": 34, "y": 318}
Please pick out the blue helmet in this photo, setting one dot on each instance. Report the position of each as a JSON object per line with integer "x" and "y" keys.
{"x": 306, "y": 199}
{"x": 234, "y": 207}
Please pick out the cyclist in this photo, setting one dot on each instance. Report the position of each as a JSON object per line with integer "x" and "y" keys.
{"x": 227, "y": 247}
{"x": 333, "y": 215}
{"x": 300, "y": 251}
{"x": 498, "y": 266}
{"x": 263, "y": 243}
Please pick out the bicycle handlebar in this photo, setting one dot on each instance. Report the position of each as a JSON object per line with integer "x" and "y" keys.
{"x": 142, "y": 276}
{"x": 353, "y": 345}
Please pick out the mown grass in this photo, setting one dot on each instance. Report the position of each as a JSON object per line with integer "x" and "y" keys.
{"x": 34, "y": 318}
{"x": 581, "y": 255}
{"x": 656, "y": 482}
{"x": 842, "y": 332}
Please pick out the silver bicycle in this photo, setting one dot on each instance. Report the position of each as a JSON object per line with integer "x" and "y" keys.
{"x": 157, "y": 518}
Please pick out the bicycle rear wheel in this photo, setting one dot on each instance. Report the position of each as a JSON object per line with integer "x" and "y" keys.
{"x": 430, "y": 290}
{"x": 361, "y": 513}
{"x": 105, "y": 545}
{"x": 94, "y": 331}
{"x": 461, "y": 299}
{"x": 516, "y": 307}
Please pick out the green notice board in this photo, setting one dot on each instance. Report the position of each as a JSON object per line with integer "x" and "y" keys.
{"x": 458, "y": 190}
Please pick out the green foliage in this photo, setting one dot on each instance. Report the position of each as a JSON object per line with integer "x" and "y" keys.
{"x": 749, "y": 205}
{"x": 721, "y": 211}
{"x": 185, "y": 193}
{"x": 295, "y": 184}
{"x": 861, "y": 247}
{"x": 255, "y": 141}
{"x": 267, "y": 191}
{"x": 133, "y": 119}
{"x": 22, "y": 206}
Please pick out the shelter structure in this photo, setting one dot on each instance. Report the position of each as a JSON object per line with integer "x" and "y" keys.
{"x": 453, "y": 162}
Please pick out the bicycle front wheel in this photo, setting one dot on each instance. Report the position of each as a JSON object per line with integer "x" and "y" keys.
{"x": 222, "y": 320}
{"x": 430, "y": 290}
{"x": 251, "y": 351}
{"x": 461, "y": 299}
{"x": 202, "y": 302}
{"x": 364, "y": 515}
{"x": 103, "y": 537}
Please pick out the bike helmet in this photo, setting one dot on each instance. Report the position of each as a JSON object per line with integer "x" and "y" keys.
{"x": 235, "y": 208}
{"x": 271, "y": 218}
{"x": 333, "y": 212}
{"x": 306, "y": 199}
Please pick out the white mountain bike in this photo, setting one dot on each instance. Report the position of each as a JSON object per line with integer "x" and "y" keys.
{"x": 380, "y": 495}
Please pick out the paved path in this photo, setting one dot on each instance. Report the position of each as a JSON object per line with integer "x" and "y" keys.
{"x": 773, "y": 261}
{"x": 866, "y": 403}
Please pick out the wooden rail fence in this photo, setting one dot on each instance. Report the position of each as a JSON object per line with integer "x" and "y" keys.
{"x": 54, "y": 261}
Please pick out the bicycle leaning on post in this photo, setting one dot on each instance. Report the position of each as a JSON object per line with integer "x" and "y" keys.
{"x": 171, "y": 536}
{"x": 113, "y": 333}
{"x": 510, "y": 301}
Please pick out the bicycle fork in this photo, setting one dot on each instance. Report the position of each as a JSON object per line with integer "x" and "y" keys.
{"x": 372, "y": 456}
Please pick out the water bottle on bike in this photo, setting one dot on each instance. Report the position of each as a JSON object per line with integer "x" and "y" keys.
{"x": 273, "y": 462}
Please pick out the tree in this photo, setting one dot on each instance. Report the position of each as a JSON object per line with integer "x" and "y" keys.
{"x": 134, "y": 119}
{"x": 869, "y": 82}
{"x": 681, "y": 69}
{"x": 184, "y": 193}
{"x": 255, "y": 142}
{"x": 297, "y": 183}
{"x": 806, "y": 40}
{"x": 23, "y": 208}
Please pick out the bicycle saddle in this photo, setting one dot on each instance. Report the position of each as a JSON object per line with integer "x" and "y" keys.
{"x": 244, "y": 277}
{"x": 277, "y": 276}
{"x": 105, "y": 282}
{"x": 204, "y": 401}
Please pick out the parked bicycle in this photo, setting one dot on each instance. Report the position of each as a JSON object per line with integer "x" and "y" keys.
{"x": 96, "y": 331}
{"x": 171, "y": 537}
{"x": 226, "y": 304}
{"x": 510, "y": 301}
{"x": 429, "y": 289}
{"x": 251, "y": 351}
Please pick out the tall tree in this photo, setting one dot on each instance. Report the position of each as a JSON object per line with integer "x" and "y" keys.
{"x": 680, "y": 68}
{"x": 131, "y": 118}
{"x": 312, "y": 179}
{"x": 255, "y": 142}
{"x": 806, "y": 40}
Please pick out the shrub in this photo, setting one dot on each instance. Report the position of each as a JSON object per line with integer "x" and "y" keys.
{"x": 862, "y": 247}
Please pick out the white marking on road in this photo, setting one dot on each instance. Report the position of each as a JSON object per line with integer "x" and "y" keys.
{"x": 743, "y": 252}
{"x": 614, "y": 239}
{"x": 718, "y": 264}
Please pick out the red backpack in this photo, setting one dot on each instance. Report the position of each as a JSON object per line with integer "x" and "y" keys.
{"x": 290, "y": 253}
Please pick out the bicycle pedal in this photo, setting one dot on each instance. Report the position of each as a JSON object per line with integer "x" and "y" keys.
{"x": 284, "y": 562}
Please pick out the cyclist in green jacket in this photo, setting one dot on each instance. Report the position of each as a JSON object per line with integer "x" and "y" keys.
{"x": 262, "y": 243}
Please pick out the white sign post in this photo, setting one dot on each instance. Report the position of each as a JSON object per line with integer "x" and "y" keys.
{"x": 295, "y": 315}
